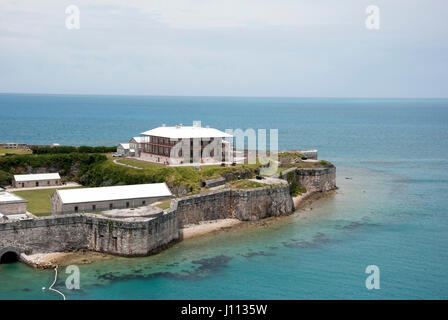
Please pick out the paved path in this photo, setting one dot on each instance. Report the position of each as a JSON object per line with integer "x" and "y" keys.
{"x": 67, "y": 185}
{"x": 126, "y": 165}
{"x": 270, "y": 180}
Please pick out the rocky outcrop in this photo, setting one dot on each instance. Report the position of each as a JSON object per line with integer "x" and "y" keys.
{"x": 314, "y": 179}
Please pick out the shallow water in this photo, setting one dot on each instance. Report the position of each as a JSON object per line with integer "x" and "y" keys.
{"x": 391, "y": 213}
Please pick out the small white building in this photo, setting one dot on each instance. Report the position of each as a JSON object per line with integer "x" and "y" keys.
{"x": 125, "y": 150}
{"x": 107, "y": 198}
{"x": 11, "y": 204}
{"x": 36, "y": 180}
{"x": 136, "y": 144}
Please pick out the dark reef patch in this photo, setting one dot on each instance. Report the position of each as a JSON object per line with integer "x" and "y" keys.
{"x": 317, "y": 241}
{"x": 257, "y": 253}
{"x": 205, "y": 267}
{"x": 212, "y": 264}
{"x": 357, "y": 225}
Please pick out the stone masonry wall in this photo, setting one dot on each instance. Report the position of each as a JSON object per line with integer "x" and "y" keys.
{"x": 203, "y": 207}
{"x": 89, "y": 231}
{"x": 13, "y": 207}
{"x": 314, "y": 179}
{"x": 251, "y": 204}
{"x": 131, "y": 238}
{"x": 47, "y": 234}
{"x": 142, "y": 237}
{"x": 262, "y": 203}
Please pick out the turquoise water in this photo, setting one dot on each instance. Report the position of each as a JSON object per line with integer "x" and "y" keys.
{"x": 391, "y": 213}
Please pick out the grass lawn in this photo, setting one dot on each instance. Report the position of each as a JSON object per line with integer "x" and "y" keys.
{"x": 4, "y": 151}
{"x": 247, "y": 184}
{"x": 165, "y": 204}
{"x": 183, "y": 175}
{"x": 38, "y": 200}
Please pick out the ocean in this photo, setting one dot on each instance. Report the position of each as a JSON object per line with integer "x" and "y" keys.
{"x": 390, "y": 209}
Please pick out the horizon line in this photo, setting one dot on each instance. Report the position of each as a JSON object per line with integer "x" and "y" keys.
{"x": 218, "y": 96}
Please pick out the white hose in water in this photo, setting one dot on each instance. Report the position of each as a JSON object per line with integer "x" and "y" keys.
{"x": 55, "y": 278}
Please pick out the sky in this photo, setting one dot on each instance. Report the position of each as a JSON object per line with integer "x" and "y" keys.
{"x": 284, "y": 48}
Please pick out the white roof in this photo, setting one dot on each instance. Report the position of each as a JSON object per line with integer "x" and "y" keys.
{"x": 186, "y": 132}
{"x": 37, "y": 176}
{"x": 134, "y": 191}
{"x": 9, "y": 197}
{"x": 124, "y": 145}
{"x": 138, "y": 139}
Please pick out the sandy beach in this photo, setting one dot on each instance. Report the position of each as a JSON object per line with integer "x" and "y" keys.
{"x": 204, "y": 227}
{"x": 62, "y": 259}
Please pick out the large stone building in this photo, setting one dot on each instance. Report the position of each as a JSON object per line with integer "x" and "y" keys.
{"x": 192, "y": 145}
{"x": 36, "y": 180}
{"x": 11, "y": 204}
{"x": 107, "y": 198}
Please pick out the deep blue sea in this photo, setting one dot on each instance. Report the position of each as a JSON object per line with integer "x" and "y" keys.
{"x": 391, "y": 213}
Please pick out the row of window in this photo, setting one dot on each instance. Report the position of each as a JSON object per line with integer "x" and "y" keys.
{"x": 157, "y": 149}
{"x": 111, "y": 206}
{"x": 37, "y": 183}
{"x": 160, "y": 140}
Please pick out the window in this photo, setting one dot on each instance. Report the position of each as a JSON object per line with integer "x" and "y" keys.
{"x": 76, "y": 209}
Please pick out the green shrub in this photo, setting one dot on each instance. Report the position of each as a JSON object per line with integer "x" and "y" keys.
{"x": 71, "y": 149}
{"x": 294, "y": 187}
{"x": 5, "y": 178}
{"x": 324, "y": 163}
{"x": 71, "y": 165}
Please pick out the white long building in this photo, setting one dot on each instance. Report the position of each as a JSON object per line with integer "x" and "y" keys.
{"x": 107, "y": 198}
{"x": 36, "y": 180}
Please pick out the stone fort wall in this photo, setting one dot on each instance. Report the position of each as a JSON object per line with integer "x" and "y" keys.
{"x": 251, "y": 204}
{"x": 90, "y": 231}
{"x": 314, "y": 179}
{"x": 142, "y": 237}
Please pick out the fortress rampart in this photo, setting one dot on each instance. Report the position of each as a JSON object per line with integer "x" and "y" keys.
{"x": 144, "y": 236}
